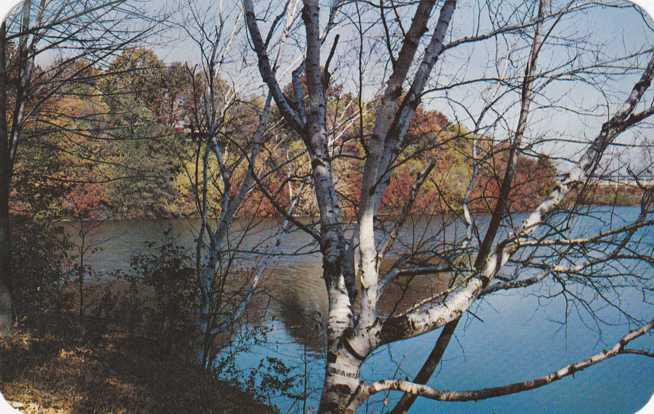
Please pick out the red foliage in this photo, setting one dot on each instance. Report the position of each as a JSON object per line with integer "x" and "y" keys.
{"x": 257, "y": 204}
{"x": 398, "y": 193}
{"x": 426, "y": 123}
{"x": 85, "y": 201}
{"x": 532, "y": 181}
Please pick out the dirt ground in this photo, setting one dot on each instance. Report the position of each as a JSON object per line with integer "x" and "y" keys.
{"x": 46, "y": 374}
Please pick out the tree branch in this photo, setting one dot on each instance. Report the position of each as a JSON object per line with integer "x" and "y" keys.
{"x": 492, "y": 392}
{"x": 265, "y": 68}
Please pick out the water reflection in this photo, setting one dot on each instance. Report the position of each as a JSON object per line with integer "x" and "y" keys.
{"x": 512, "y": 336}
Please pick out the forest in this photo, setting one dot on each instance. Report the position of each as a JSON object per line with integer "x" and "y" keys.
{"x": 123, "y": 141}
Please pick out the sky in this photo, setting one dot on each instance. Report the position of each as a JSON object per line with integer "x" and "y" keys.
{"x": 607, "y": 31}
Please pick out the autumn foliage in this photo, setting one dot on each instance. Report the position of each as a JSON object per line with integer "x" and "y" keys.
{"x": 126, "y": 143}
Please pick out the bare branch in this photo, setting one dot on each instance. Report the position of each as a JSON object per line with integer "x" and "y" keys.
{"x": 435, "y": 394}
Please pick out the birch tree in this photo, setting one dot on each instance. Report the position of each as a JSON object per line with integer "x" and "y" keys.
{"x": 232, "y": 138}
{"x": 418, "y": 42}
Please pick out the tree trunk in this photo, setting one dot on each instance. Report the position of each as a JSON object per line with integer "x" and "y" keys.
{"x": 6, "y": 305}
{"x": 341, "y": 383}
{"x": 6, "y": 308}
{"x": 207, "y": 274}
{"x": 6, "y": 311}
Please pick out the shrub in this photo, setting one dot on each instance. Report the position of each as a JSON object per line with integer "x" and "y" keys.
{"x": 162, "y": 297}
{"x": 39, "y": 253}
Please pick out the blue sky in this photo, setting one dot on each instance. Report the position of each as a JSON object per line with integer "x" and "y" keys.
{"x": 609, "y": 31}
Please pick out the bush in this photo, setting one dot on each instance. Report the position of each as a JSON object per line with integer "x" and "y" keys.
{"x": 162, "y": 297}
{"x": 39, "y": 253}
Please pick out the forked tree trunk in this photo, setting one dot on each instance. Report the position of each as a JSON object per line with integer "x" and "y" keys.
{"x": 342, "y": 372}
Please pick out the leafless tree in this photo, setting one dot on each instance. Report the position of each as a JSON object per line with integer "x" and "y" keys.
{"x": 486, "y": 259}
{"x": 231, "y": 139}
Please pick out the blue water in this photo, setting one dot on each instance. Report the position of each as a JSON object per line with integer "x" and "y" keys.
{"x": 512, "y": 337}
{"x": 518, "y": 336}
{"x": 518, "y": 339}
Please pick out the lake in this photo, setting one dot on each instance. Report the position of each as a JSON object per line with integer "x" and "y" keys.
{"x": 511, "y": 337}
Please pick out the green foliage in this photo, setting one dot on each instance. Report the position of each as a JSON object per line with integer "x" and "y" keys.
{"x": 144, "y": 168}
{"x": 34, "y": 194}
